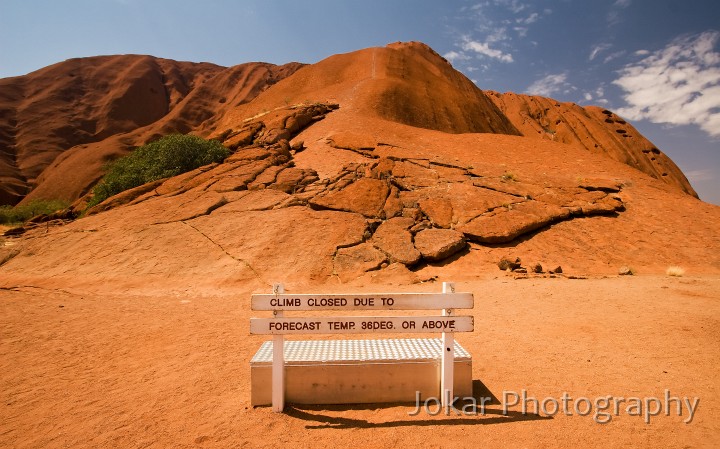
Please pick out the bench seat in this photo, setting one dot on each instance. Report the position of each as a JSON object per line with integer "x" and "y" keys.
{"x": 359, "y": 371}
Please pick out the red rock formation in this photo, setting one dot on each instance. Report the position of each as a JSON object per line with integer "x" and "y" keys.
{"x": 364, "y": 188}
{"x": 406, "y": 83}
{"x": 60, "y": 124}
{"x": 64, "y": 122}
{"x": 596, "y": 129}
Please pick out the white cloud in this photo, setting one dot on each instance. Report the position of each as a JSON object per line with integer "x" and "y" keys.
{"x": 497, "y": 26}
{"x": 597, "y": 49}
{"x": 482, "y": 48}
{"x": 532, "y": 18}
{"x": 614, "y": 17}
{"x": 678, "y": 85}
{"x": 642, "y": 53}
{"x": 596, "y": 96}
{"x": 549, "y": 85}
{"x": 521, "y": 31}
{"x": 612, "y": 56}
{"x": 515, "y": 6}
{"x": 497, "y": 35}
{"x": 453, "y": 56}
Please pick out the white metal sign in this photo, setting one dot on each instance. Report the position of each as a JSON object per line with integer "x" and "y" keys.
{"x": 363, "y": 301}
{"x": 361, "y": 325}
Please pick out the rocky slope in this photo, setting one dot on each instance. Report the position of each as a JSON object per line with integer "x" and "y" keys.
{"x": 60, "y": 124}
{"x": 64, "y": 122}
{"x": 595, "y": 129}
{"x": 325, "y": 186}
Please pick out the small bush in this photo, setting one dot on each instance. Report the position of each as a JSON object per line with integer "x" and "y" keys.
{"x": 675, "y": 271}
{"x": 169, "y": 156}
{"x": 24, "y": 212}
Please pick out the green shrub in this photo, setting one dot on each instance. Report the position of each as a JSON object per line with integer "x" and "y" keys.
{"x": 169, "y": 156}
{"x": 24, "y": 212}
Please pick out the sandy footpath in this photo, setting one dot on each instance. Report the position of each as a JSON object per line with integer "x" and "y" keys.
{"x": 106, "y": 371}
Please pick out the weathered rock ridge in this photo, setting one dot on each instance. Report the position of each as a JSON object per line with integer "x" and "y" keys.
{"x": 324, "y": 187}
{"x": 61, "y": 124}
{"x": 402, "y": 207}
{"x": 592, "y": 128}
{"x": 391, "y": 208}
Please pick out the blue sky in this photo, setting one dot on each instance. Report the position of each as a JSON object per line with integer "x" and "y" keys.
{"x": 655, "y": 62}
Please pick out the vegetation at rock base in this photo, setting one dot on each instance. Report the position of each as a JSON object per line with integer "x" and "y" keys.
{"x": 166, "y": 157}
{"x": 22, "y": 213}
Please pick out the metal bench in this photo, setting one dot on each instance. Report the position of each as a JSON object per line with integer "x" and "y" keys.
{"x": 360, "y": 371}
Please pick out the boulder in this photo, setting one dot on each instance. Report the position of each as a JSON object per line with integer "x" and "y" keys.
{"x": 469, "y": 201}
{"x": 439, "y": 210}
{"x": 237, "y": 178}
{"x": 365, "y": 196}
{"x": 393, "y": 238}
{"x": 300, "y": 120}
{"x": 393, "y": 206}
{"x": 439, "y": 244}
{"x": 412, "y": 176}
{"x": 383, "y": 169}
{"x": 243, "y": 137}
{"x": 275, "y": 135}
{"x": 424, "y": 224}
{"x": 245, "y": 155}
{"x": 267, "y": 177}
{"x": 413, "y": 213}
{"x": 510, "y": 264}
{"x": 352, "y": 262}
{"x": 351, "y": 141}
{"x": 505, "y": 224}
{"x": 292, "y": 179}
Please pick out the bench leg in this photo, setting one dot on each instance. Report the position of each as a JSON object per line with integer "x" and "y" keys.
{"x": 448, "y": 359}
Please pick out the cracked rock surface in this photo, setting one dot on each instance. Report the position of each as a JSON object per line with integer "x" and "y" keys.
{"x": 397, "y": 207}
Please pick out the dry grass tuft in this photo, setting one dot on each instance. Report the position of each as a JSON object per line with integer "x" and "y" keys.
{"x": 675, "y": 271}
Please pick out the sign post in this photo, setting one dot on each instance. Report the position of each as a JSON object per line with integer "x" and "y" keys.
{"x": 278, "y": 367}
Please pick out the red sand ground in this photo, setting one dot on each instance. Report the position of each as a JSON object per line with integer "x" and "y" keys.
{"x": 173, "y": 371}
